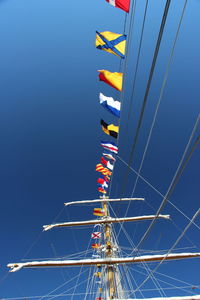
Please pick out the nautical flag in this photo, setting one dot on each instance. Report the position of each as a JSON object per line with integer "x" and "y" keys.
{"x": 101, "y": 190}
{"x": 96, "y": 235}
{"x": 101, "y": 169}
{"x": 111, "y": 42}
{"x": 97, "y": 274}
{"x": 106, "y": 163}
{"x": 109, "y": 156}
{"x": 109, "y": 103}
{"x": 106, "y": 178}
{"x": 98, "y": 212}
{"x": 102, "y": 182}
{"x": 122, "y": 4}
{"x": 114, "y": 79}
{"x": 95, "y": 246}
{"x": 110, "y": 146}
{"x": 110, "y": 129}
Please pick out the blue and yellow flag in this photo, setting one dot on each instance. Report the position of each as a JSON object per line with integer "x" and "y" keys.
{"x": 111, "y": 42}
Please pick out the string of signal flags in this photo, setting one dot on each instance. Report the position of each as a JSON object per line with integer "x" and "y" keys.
{"x": 113, "y": 43}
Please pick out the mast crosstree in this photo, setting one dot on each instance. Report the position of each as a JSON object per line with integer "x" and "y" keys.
{"x": 108, "y": 260}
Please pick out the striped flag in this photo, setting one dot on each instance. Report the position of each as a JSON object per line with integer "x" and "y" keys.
{"x": 110, "y": 146}
{"x": 122, "y": 4}
{"x": 100, "y": 168}
{"x": 98, "y": 212}
{"x": 106, "y": 178}
{"x": 110, "y": 104}
{"x": 101, "y": 190}
{"x": 96, "y": 246}
{"x": 109, "y": 156}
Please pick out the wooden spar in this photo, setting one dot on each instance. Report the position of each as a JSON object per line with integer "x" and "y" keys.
{"x": 103, "y": 200}
{"x": 105, "y": 221}
{"x": 102, "y": 261}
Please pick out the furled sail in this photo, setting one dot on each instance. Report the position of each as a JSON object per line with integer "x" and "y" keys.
{"x": 100, "y": 261}
{"x": 103, "y": 200}
{"x": 105, "y": 221}
{"x": 193, "y": 297}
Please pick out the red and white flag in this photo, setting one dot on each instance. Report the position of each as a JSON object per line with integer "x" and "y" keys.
{"x": 102, "y": 182}
{"x": 96, "y": 235}
{"x": 122, "y": 4}
{"x": 106, "y": 163}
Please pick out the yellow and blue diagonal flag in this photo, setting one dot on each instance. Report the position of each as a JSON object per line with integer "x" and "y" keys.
{"x": 111, "y": 42}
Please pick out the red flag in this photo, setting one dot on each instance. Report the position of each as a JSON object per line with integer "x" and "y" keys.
{"x": 95, "y": 246}
{"x": 122, "y": 4}
{"x": 100, "y": 180}
{"x": 106, "y": 163}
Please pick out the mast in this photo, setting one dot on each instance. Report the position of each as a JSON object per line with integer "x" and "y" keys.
{"x": 108, "y": 254}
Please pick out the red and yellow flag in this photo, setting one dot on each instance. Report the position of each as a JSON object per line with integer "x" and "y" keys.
{"x": 100, "y": 168}
{"x": 96, "y": 246}
{"x": 101, "y": 190}
{"x": 98, "y": 212}
{"x": 114, "y": 79}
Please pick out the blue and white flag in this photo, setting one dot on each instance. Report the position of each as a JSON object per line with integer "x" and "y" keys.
{"x": 110, "y": 104}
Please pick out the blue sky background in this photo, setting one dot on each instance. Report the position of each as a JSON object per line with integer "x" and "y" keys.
{"x": 50, "y": 131}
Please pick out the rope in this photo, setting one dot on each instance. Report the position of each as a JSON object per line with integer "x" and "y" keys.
{"x": 137, "y": 62}
{"x": 158, "y": 192}
{"x": 173, "y": 246}
{"x": 158, "y": 43}
{"x": 183, "y": 163}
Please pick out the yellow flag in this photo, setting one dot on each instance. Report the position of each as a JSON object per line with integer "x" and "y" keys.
{"x": 114, "y": 79}
{"x": 111, "y": 42}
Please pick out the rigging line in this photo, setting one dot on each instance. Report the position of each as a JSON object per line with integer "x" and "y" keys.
{"x": 72, "y": 231}
{"x": 158, "y": 43}
{"x": 157, "y": 191}
{"x": 121, "y": 59}
{"x": 154, "y": 280}
{"x": 39, "y": 236}
{"x": 170, "y": 250}
{"x": 160, "y": 96}
{"x": 137, "y": 62}
{"x": 55, "y": 254}
{"x": 148, "y": 87}
{"x": 170, "y": 284}
{"x": 179, "y": 229}
{"x": 63, "y": 284}
{"x": 173, "y": 278}
{"x": 78, "y": 278}
{"x": 133, "y": 10}
{"x": 156, "y": 51}
{"x": 181, "y": 167}
{"x": 53, "y": 296}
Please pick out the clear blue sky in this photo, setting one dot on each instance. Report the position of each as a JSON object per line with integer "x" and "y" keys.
{"x": 50, "y": 130}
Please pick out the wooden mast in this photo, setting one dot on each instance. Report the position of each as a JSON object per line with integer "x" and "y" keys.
{"x": 110, "y": 272}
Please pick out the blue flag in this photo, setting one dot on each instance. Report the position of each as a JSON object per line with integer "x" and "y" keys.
{"x": 110, "y": 104}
